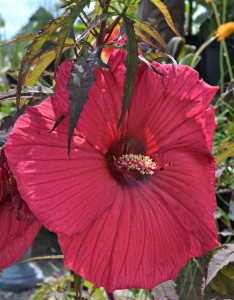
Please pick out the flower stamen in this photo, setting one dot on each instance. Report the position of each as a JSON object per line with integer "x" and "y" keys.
{"x": 141, "y": 163}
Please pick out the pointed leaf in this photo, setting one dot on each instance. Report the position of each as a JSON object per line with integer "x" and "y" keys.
{"x": 151, "y": 31}
{"x": 35, "y": 47}
{"x": 71, "y": 16}
{"x": 131, "y": 63}
{"x": 81, "y": 80}
{"x": 220, "y": 259}
{"x": 166, "y": 290}
{"x": 163, "y": 8}
{"x": 25, "y": 38}
{"x": 144, "y": 38}
{"x": 57, "y": 122}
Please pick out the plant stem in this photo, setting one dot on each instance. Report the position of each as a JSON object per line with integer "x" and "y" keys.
{"x": 190, "y": 19}
{"x": 221, "y": 68}
{"x": 224, "y": 10}
{"x": 200, "y": 50}
{"x": 110, "y": 296}
{"x": 228, "y": 62}
{"x": 216, "y": 14}
{"x": 223, "y": 42}
{"x": 140, "y": 294}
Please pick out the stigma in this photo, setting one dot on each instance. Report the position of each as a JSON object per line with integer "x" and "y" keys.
{"x": 136, "y": 162}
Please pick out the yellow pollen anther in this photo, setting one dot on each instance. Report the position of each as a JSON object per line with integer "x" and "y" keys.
{"x": 141, "y": 163}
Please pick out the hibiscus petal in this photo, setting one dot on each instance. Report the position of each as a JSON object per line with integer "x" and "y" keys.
{"x": 16, "y": 236}
{"x": 99, "y": 119}
{"x": 175, "y": 100}
{"x": 138, "y": 242}
{"x": 61, "y": 93}
{"x": 187, "y": 187}
{"x": 63, "y": 192}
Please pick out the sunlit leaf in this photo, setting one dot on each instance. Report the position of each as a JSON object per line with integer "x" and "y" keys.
{"x": 72, "y": 13}
{"x": 35, "y": 48}
{"x": 166, "y": 290}
{"x": 131, "y": 63}
{"x": 39, "y": 65}
{"x": 151, "y": 31}
{"x": 163, "y": 8}
{"x": 158, "y": 55}
{"x": 25, "y": 38}
{"x": 144, "y": 38}
{"x": 219, "y": 260}
{"x": 227, "y": 150}
{"x": 27, "y": 92}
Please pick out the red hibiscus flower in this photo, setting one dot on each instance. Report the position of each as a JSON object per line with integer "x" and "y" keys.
{"x": 18, "y": 226}
{"x": 130, "y": 205}
{"x": 106, "y": 52}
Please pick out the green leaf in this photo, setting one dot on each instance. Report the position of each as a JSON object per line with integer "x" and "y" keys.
{"x": 78, "y": 285}
{"x": 166, "y": 290}
{"x": 158, "y": 55}
{"x": 25, "y": 38}
{"x": 6, "y": 125}
{"x": 27, "y": 92}
{"x": 219, "y": 260}
{"x": 81, "y": 80}
{"x": 35, "y": 48}
{"x": 175, "y": 45}
{"x": 131, "y": 63}
{"x": 227, "y": 151}
{"x": 40, "y": 64}
{"x": 187, "y": 59}
{"x": 223, "y": 283}
{"x": 163, "y": 8}
{"x": 72, "y": 13}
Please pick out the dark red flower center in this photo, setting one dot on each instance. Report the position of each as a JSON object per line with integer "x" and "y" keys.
{"x": 128, "y": 163}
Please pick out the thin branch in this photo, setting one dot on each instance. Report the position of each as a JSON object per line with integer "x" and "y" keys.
{"x": 88, "y": 20}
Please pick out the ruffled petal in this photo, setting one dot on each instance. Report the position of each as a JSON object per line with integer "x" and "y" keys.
{"x": 16, "y": 236}
{"x": 65, "y": 193}
{"x": 167, "y": 106}
{"x": 138, "y": 242}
